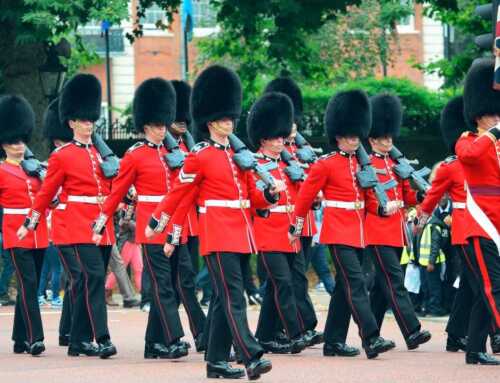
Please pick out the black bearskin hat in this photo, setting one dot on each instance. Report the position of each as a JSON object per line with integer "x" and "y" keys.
{"x": 80, "y": 99}
{"x": 348, "y": 114}
{"x": 216, "y": 95}
{"x": 480, "y": 98}
{"x": 183, "y": 92}
{"x": 291, "y": 89}
{"x": 271, "y": 116}
{"x": 453, "y": 122}
{"x": 52, "y": 127}
{"x": 154, "y": 102}
{"x": 387, "y": 115}
{"x": 17, "y": 119}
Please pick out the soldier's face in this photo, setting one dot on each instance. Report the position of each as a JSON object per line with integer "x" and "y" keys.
{"x": 486, "y": 122}
{"x": 14, "y": 149}
{"x": 273, "y": 145}
{"x": 381, "y": 144}
{"x": 348, "y": 144}
{"x": 81, "y": 128}
{"x": 222, "y": 127}
{"x": 155, "y": 132}
{"x": 178, "y": 128}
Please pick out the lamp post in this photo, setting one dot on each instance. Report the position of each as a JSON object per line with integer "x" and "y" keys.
{"x": 52, "y": 73}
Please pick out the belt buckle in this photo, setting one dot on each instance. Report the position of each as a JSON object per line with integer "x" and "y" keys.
{"x": 357, "y": 205}
{"x": 244, "y": 204}
{"x": 100, "y": 199}
{"x": 289, "y": 208}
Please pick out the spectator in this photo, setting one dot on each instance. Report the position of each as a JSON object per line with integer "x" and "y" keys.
{"x": 51, "y": 267}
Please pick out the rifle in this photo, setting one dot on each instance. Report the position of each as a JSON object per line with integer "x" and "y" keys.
{"x": 175, "y": 159}
{"x": 305, "y": 152}
{"x": 293, "y": 170}
{"x": 189, "y": 140}
{"x": 405, "y": 170}
{"x": 246, "y": 160}
{"x": 110, "y": 163}
{"x": 32, "y": 166}
{"x": 367, "y": 177}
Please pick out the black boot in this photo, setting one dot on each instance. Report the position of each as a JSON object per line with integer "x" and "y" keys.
{"x": 417, "y": 338}
{"x": 63, "y": 340}
{"x": 275, "y": 347}
{"x": 495, "y": 343}
{"x": 177, "y": 350}
{"x": 85, "y": 348}
{"x": 21, "y": 347}
{"x": 37, "y": 348}
{"x": 223, "y": 370}
{"x": 339, "y": 349}
{"x": 481, "y": 358}
{"x": 258, "y": 367}
{"x": 377, "y": 345}
{"x": 454, "y": 344}
{"x": 106, "y": 349}
{"x": 313, "y": 337}
{"x": 297, "y": 345}
{"x": 198, "y": 343}
{"x": 155, "y": 350}
{"x": 185, "y": 344}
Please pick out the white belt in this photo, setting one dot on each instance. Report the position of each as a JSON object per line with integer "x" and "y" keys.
{"x": 231, "y": 204}
{"x": 149, "y": 198}
{"x": 345, "y": 204}
{"x": 282, "y": 209}
{"x": 458, "y": 205}
{"x": 14, "y": 211}
{"x": 86, "y": 199}
{"x": 61, "y": 206}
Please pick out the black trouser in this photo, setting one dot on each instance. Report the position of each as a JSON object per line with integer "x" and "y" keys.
{"x": 349, "y": 297}
{"x": 229, "y": 315}
{"x": 389, "y": 289}
{"x": 483, "y": 274}
{"x": 194, "y": 252}
{"x": 164, "y": 324}
{"x": 306, "y": 314}
{"x": 279, "y": 303}
{"x": 73, "y": 274}
{"x": 90, "y": 304}
{"x": 185, "y": 288}
{"x": 27, "y": 318}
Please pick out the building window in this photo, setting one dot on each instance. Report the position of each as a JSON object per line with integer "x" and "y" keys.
{"x": 407, "y": 24}
{"x": 204, "y": 14}
{"x": 153, "y": 15}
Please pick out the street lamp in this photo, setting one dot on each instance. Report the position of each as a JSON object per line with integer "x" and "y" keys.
{"x": 52, "y": 73}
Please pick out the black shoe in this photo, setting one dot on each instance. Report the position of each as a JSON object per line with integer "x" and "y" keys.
{"x": 85, "y": 348}
{"x": 481, "y": 358}
{"x": 185, "y": 344}
{"x": 254, "y": 299}
{"x": 313, "y": 337}
{"x": 129, "y": 303}
{"x": 223, "y": 370}
{"x": 281, "y": 337}
{"x": 21, "y": 347}
{"x": 6, "y": 301}
{"x": 106, "y": 349}
{"x": 37, "y": 348}
{"x": 177, "y": 350}
{"x": 199, "y": 344}
{"x": 155, "y": 350}
{"x": 258, "y": 367}
{"x": 378, "y": 345}
{"x": 297, "y": 345}
{"x": 437, "y": 313}
{"x": 454, "y": 344}
{"x": 63, "y": 340}
{"x": 418, "y": 338}
{"x": 495, "y": 343}
{"x": 275, "y": 347}
{"x": 339, "y": 349}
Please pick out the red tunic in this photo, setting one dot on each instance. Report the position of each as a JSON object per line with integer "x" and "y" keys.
{"x": 209, "y": 179}
{"x": 449, "y": 179}
{"x": 144, "y": 167}
{"x": 390, "y": 230}
{"x": 192, "y": 217}
{"x": 335, "y": 175}
{"x": 75, "y": 167}
{"x": 480, "y": 159}
{"x": 271, "y": 233}
{"x": 17, "y": 191}
{"x": 310, "y": 228}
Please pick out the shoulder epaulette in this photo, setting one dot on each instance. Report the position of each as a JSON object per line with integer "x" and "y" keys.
{"x": 200, "y": 146}
{"x": 328, "y": 155}
{"x": 450, "y": 159}
{"x": 137, "y": 145}
{"x": 61, "y": 147}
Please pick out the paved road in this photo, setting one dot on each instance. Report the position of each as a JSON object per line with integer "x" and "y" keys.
{"x": 428, "y": 364}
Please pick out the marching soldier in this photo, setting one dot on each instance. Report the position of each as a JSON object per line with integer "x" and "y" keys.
{"x": 17, "y": 192}
{"x": 269, "y": 124}
{"x": 347, "y": 119}
{"x": 211, "y": 179}
{"x": 144, "y": 167}
{"x": 76, "y": 168}
{"x": 385, "y": 234}
{"x": 307, "y": 315}
{"x": 479, "y": 155}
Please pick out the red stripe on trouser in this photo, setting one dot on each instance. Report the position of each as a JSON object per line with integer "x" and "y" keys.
{"x": 486, "y": 280}
{"x": 87, "y": 301}
{"x": 186, "y": 306}
{"x": 349, "y": 293}
{"x": 23, "y": 297}
{"x": 163, "y": 319}
{"x": 68, "y": 273}
{"x": 393, "y": 297}
{"x": 228, "y": 309}
{"x": 275, "y": 294}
